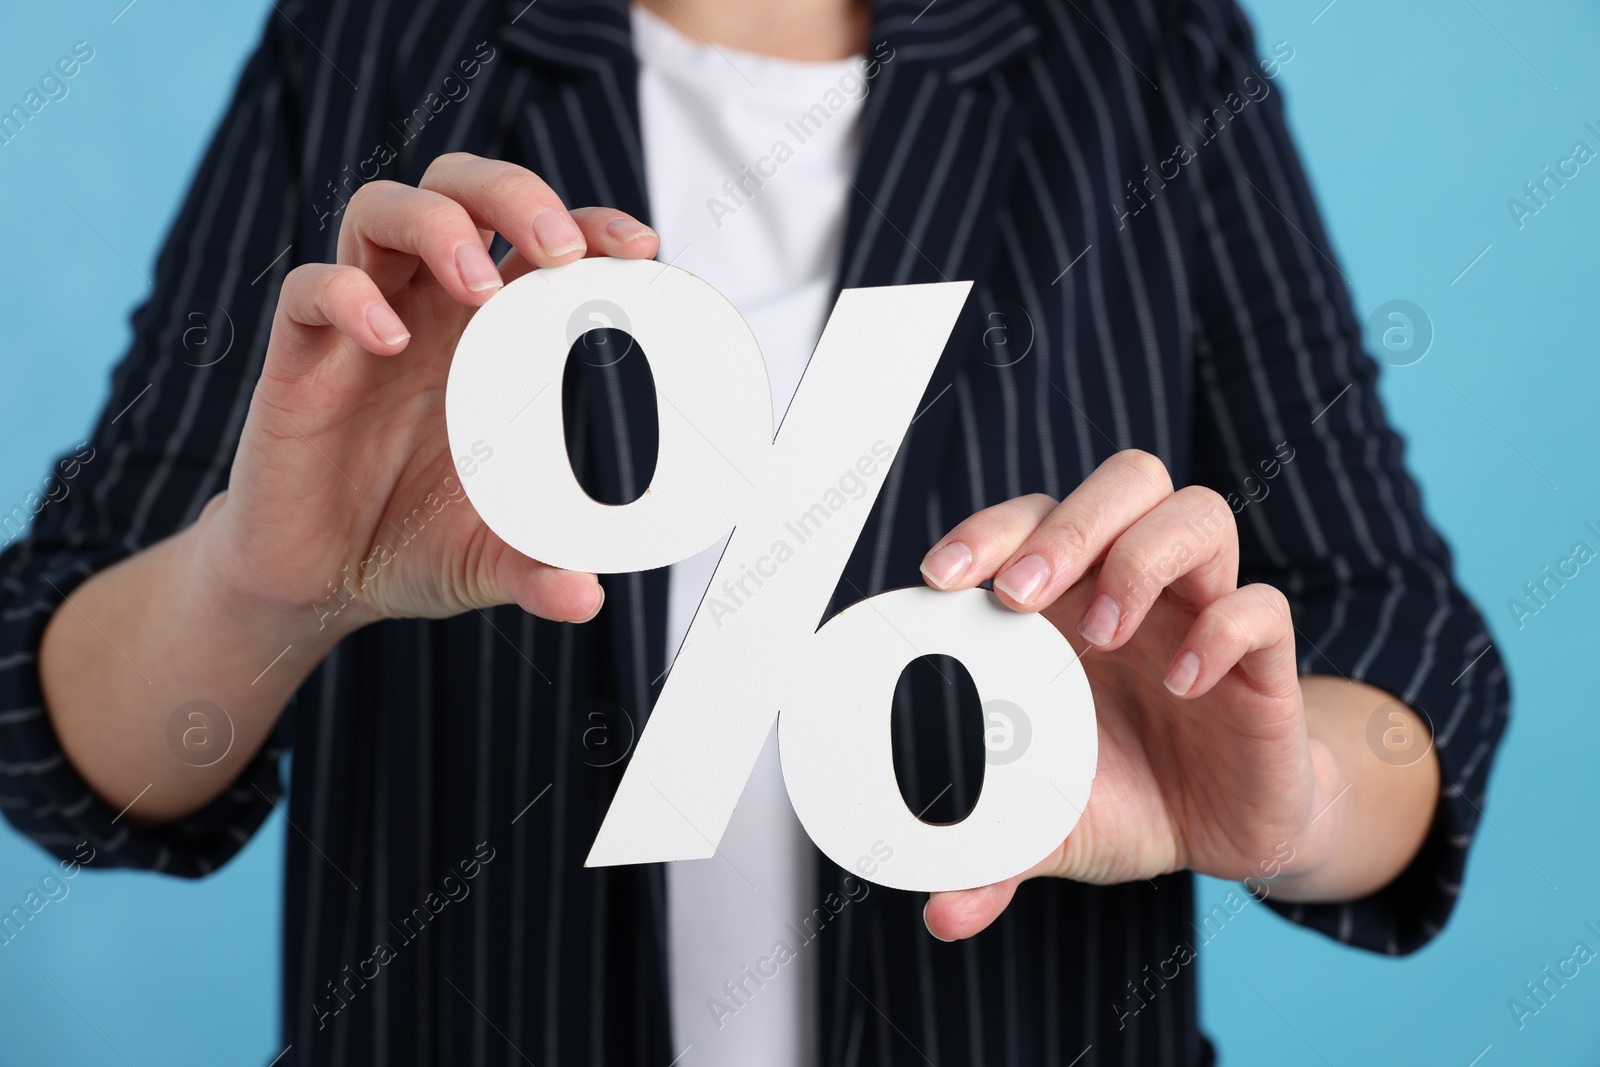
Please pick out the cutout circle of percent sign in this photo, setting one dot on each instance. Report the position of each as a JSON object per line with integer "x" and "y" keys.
{"x": 720, "y": 468}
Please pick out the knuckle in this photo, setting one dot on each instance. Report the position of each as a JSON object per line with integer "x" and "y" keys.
{"x": 361, "y": 201}
{"x": 437, "y": 212}
{"x": 447, "y": 162}
{"x": 1227, "y": 628}
{"x": 1142, "y": 571}
{"x": 1205, "y": 499}
{"x": 1069, "y": 537}
{"x": 305, "y": 277}
{"x": 1126, "y": 558}
{"x": 439, "y": 218}
{"x": 1275, "y": 602}
{"x": 514, "y": 185}
{"x": 988, "y": 530}
{"x": 1146, "y": 467}
{"x": 345, "y": 284}
{"x": 1005, "y": 523}
{"x": 1134, "y": 578}
{"x": 1212, "y": 515}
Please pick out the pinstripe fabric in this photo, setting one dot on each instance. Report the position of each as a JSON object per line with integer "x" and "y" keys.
{"x": 1006, "y": 141}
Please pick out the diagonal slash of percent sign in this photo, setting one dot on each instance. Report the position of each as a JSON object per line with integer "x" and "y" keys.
{"x": 856, "y": 395}
{"x": 715, "y": 850}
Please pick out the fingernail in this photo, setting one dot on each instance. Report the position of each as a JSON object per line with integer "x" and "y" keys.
{"x": 1099, "y": 623}
{"x": 478, "y": 271}
{"x": 1023, "y": 579}
{"x": 628, "y": 229}
{"x": 387, "y": 325}
{"x": 1185, "y": 669}
{"x": 557, "y": 234}
{"x": 947, "y": 564}
{"x": 936, "y": 937}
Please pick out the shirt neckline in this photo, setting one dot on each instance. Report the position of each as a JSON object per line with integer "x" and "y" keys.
{"x": 659, "y": 45}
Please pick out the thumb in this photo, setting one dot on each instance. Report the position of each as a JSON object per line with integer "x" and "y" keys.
{"x": 502, "y": 575}
{"x": 961, "y": 913}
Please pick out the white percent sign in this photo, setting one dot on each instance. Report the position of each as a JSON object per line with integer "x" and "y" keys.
{"x": 719, "y": 467}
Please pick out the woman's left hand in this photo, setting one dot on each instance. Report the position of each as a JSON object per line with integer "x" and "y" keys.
{"x": 1206, "y": 762}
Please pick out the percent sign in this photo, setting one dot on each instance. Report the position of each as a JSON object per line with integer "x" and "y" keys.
{"x": 719, "y": 467}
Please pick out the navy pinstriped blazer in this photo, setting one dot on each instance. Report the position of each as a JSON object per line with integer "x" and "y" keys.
{"x": 1118, "y": 180}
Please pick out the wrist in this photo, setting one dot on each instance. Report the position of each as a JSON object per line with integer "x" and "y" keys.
{"x": 226, "y": 589}
{"x": 1316, "y": 844}
{"x": 1369, "y": 814}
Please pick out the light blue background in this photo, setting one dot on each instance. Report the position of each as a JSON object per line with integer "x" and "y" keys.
{"x": 1418, "y": 121}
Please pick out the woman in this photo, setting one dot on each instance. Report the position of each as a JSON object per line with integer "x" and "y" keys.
{"x": 1156, "y": 389}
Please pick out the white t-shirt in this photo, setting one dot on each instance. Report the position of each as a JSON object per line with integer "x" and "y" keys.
{"x": 748, "y": 184}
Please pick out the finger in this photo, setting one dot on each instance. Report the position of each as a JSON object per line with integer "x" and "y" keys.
{"x": 317, "y": 297}
{"x": 972, "y": 551}
{"x": 506, "y": 576}
{"x": 1079, "y": 531}
{"x": 1187, "y": 544}
{"x": 963, "y": 913}
{"x": 557, "y": 595}
{"x": 607, "y": 231}
{"x": 389, "y": 227}
{"x": 511, "y": 201}
{"x": 1250, "y": 628}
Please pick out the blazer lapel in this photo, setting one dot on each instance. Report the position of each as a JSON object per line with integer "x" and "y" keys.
{"x": 938, "y": 140}
{"x": 581, "y": 118}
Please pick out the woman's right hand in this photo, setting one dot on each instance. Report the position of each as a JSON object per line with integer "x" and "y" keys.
{"x": 344, "y": 504}
{"x": 345, "y": 439}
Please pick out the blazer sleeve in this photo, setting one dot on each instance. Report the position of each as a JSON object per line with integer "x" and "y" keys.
{"x": 1288, "y": 425}
{"x": 162, "y": 447}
